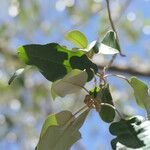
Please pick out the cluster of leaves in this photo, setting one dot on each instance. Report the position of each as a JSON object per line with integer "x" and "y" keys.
{"x": 70, "y": 70}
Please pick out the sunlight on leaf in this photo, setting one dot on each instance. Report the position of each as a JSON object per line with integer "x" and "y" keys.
{"x": 77, "y": 38}
{"x": 141, "y": 94}
{"x": 55, "y": 61}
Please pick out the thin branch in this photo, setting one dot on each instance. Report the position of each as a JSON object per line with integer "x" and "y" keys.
{"x": 134, "y": 71}
{"x": 113, "y": 68}
{"x": 110, "y": 17}
{"x": 114, "y": 29}
{"x": 116, "y": 75}
{"x": 123, "y": 9}
{"x": 111, "y": 61}
{"x": 111, "y": 22}
{"x": 124, "y": 6}
{"x": 80, "y": 110}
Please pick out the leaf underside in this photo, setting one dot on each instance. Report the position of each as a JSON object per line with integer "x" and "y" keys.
{"x": 109, "y": 44}
{"x": 60, "y": 131}
{"x": 71, "y": 83}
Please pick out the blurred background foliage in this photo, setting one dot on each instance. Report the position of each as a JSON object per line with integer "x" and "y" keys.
{"x": 25, "y": 104}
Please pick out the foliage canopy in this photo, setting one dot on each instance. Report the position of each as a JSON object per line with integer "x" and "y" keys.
{"x": 69, "y": 71}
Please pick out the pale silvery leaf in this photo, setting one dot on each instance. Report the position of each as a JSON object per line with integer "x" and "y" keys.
{"x": 109, "y": 44}
{"x": 141, "y": 94}
{"x": 91, "y": 45}
{"x": 60, "y": 131}
{"x": 71, "y": 83}
{"x": 88, "y": 48}
{"x": 104, "y": 49}
{"x": 15, "y": 75}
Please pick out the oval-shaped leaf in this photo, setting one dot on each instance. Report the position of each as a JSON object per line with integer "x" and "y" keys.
{"x": 55, "y": 61}
{"x": 77, "y": 38}
{"x": 141, "y": 93}
{"x": 106, "y": 113}
{"x": 103, "y": 95}
{"x": 60, "y": 131}
{"x": 71, "y": 83}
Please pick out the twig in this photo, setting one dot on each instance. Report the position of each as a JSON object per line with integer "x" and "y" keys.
{"x": 111, "y": 22}
{"x": 68, "y": 123}
{"x": 111, "y": 61}
{"x": 80, "y": 110}
{"x": 120, "y": 13}
{"x": 116, "y": 75}
{"x": 114, "y": 68}
{"x": 134, "y": 71}
{"x": 110, "y": 17}
{"x": 114, "y": 29}
{"x": 123, "y": 9}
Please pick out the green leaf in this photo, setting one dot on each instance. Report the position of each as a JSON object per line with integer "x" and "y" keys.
{"x": 141, "y": 93}
{"x": 94, "y": 92}
{"x": 15, "y": 75}
{"x": 77, "y": 38}
{"x": 60, "y": 131}
{"x": 71, "y": 83}
{"x": 109, "y": 44}
{"x": 103, "y": 95}
{"x": 131, "y": 133}
{"x": 106, "y": 113}
{"x": 55, "y": 61}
